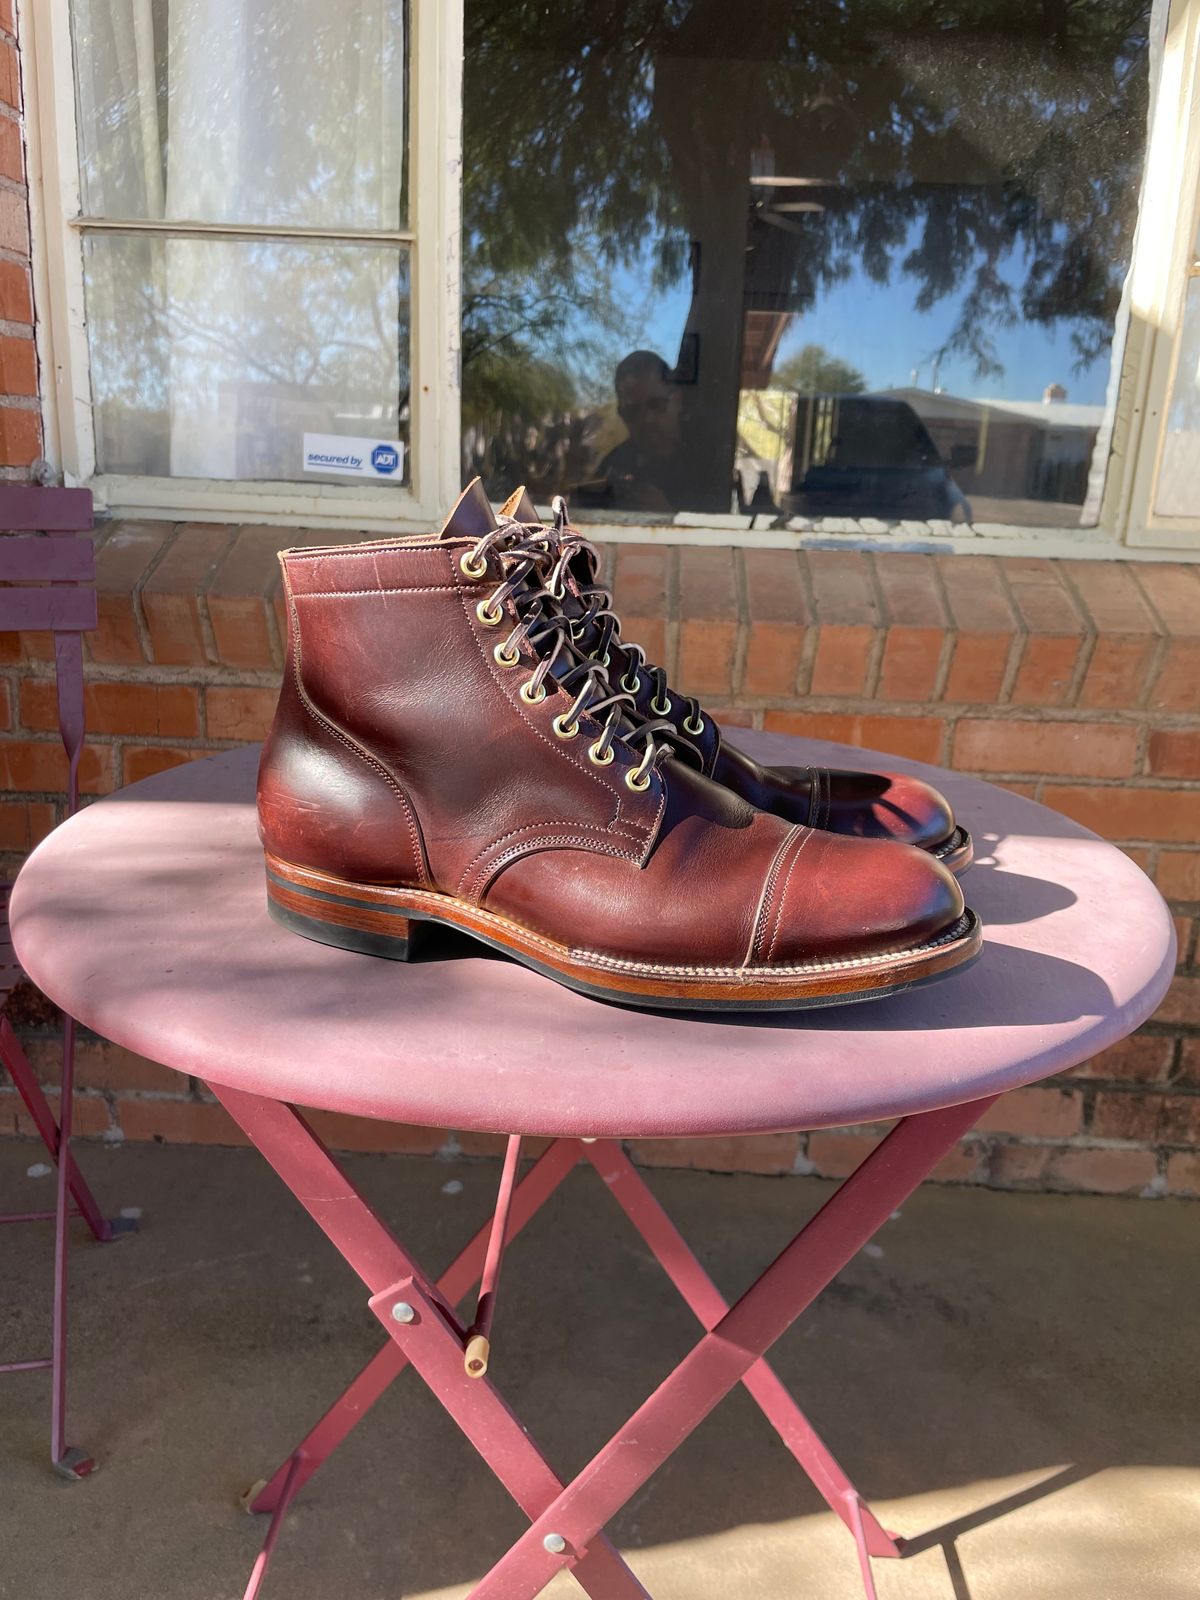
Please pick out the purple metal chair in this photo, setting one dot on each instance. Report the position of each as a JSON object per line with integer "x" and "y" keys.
{"x": 61, "y": 565}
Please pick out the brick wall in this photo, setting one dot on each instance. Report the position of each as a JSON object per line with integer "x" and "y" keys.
{"x": 20, "y": 413}
{"x": 1072, "y": 682}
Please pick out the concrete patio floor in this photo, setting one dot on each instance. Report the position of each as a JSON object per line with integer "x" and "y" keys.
{"x": 1013, "y": 1377}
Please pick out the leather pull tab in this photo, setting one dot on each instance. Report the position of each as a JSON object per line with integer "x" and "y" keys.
{"x": 472, "y": 515}
{"x": 520, "y": 507}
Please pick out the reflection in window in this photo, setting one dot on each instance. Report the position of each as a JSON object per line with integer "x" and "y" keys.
{"x": 808, "y": 261}
{"x": 1179, "y": 471}
{"x": 212, "y": 356}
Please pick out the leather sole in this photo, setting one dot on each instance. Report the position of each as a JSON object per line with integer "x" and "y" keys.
{"x": 382, "y": 921}
{"x": 955, "y": 853}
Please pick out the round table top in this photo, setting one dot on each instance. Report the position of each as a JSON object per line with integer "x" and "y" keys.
{"x": 145, "y": 917}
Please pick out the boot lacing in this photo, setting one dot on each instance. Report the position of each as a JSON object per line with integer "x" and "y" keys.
{"x": 531, "y": 560}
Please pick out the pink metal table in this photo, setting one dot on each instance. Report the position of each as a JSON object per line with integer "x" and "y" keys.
{"x": 145, "y": 917}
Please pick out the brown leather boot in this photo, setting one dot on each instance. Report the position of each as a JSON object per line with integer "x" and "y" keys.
{"x": 867, "y": 805}
{"x": 442, "y": 752}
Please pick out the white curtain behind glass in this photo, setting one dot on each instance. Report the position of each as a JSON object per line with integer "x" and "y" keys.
{"x": 275, "y": 112}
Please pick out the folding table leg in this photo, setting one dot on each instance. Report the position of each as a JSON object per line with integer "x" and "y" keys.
{"x": 529, "y": 1196}
{"x": 631, "y": 1192}
{"x": 22, "y": 1074}
{"x": 724, "y": 1356}
{"x": 432, "y": 1336}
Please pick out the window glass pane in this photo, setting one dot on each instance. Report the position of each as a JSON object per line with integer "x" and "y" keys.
{"x": 243, "y": 111}
{"x": 855, "y": 260}
{"x": 212, "y": 358}
{"x": 1179, "y": 471}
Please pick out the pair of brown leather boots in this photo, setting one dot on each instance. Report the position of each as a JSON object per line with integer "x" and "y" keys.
{"x": 463, "y": 737}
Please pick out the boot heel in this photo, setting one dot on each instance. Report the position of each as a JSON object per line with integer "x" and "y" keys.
{"x": 347, "y": 926}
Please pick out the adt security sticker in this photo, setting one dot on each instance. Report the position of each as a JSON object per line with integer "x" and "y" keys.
{"x": 353, "y": 458}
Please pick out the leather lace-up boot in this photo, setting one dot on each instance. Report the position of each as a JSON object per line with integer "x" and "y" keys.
{"x": 443, "y": 752}
{"x": 867, "y": 805}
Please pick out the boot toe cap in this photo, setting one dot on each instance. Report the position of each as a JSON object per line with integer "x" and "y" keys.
{"x": 843, "y": 898}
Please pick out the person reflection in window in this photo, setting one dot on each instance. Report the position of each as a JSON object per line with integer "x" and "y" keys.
{"x": 646, "y": 471}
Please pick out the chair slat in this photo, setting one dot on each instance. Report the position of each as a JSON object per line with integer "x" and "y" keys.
{"x": 26, "y": 509}
{"x": 25, "y": 560}
{"x": 24, "y": 610}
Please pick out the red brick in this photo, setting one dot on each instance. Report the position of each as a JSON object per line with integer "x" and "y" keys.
{"x": 916, "y": 627}
{"x": 33, "y": 765}
{"x": 1127, "y": 813}
{"x": 706, "y": 657}
{"x": 1071, "y": 749}
{"x": 842, "y": 661}
{"x": 918, "y": 738}
{"x": 12, "y": 152}
{"x": 911, "y": 658}
{"x": 1142, "y": 1058}
{"x": 144, "y": 761}
{"x": 100, "y": 1064}
{"x": 239, "y": 713}
{"x": 240, "y": 596}
{"x": 1189, "y": 1063}
{"x": 1174, "y": 753}
{"x": 1045, "y": 604}
{"x": 1101, "y": 1171}
{"x": 20, "y": 432}
{"x": 976, "y": 595}
{"x": 836, "y": 1155}
{"x": 177, "y": 1121}
{"x": 7, "y": 17}
{"x": 1043, "y": 1113}
{"x": 978, "y": 663}
{"x": 778, "y": 613}
{"x": 1178, "y": 874}
{"x": 848, "y": 614}
{"x": 1013, "y": 1166}
{"x": 170, "y": 711}
{"x": 89, "y": 1114}
{"x": 1183, "y": 1173}
{"x": 1173, "y": 589}
{"x": 1117, "y": 673}
{"x": 1046, "y": 671}
{"x": 18, "y": 364}
{"x": 1182, "y": 1003}
{"x": 1110, "y": 596}
{"x": 171, "y": 595}
{"x": 1126, "y": 1115}
{"x": 341, "y": 1132}
{"x": 10, "y": 76}
{"x": 122, "y": 562}
{"x": 1175, "y": 688}
{"x": 24, "y": 823}
{"x": 642, "y": 579}
{"x": 16, "y": 295}
{"x": 768, "y": 1153}
{"x": 14, "y": 222}
{"x": 6, "y": 706}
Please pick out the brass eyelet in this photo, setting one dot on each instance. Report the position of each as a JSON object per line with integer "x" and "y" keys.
{"x": 696, "y": 728}
{"x": 532, "y": 695}
{"x": 663, "y": 710}
{"x": 468, "y": 566}
{"x": 600, "y": 760}
{"x": 506, "y": 657}
{"x": 489, "y": 617}
{"x": 563, "y": 728}
{"x": 605, "y": 660}
{"x": 632, "y": 781}
{"x": 635, "y": 686}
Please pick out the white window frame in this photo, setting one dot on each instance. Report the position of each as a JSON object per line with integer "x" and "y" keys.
{"x": 1146, "y": 332}
{"x": 432, "y": 238}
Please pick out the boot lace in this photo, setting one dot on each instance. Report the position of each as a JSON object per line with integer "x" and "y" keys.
{"x": 531, "y": 593}
{"x": 600, "y": 627}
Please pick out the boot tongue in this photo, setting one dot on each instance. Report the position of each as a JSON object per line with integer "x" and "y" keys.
{"x": 472, "y": 515}
{"x": 520, "y": 507}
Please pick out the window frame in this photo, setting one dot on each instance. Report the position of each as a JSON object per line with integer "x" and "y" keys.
{"x": 432, "y": 238}
{"x": 1147, "y": 327}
